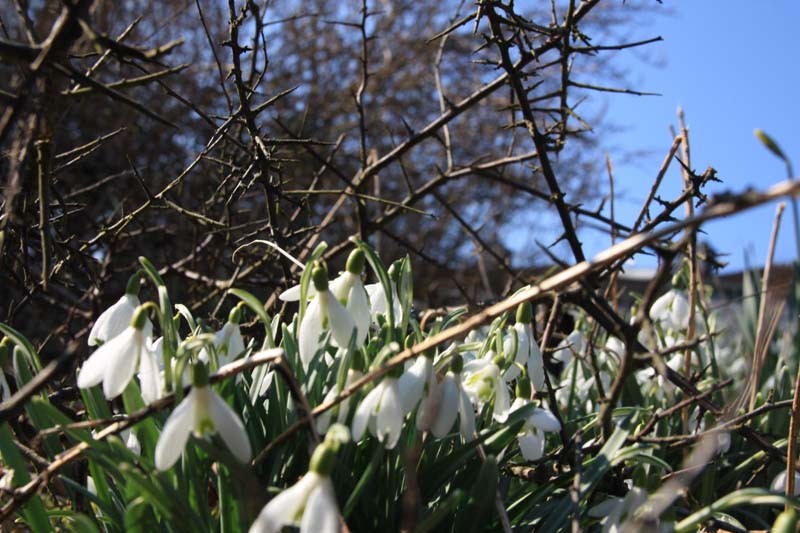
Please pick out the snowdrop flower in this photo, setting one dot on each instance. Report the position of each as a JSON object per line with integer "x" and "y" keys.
{"x": 484, "y": 384}
{"x": 311, "y": 502}
{"x": 616, "y": 511}
{"x": 349, "y": 290}
{"x": 381, "y": 411}
{"x": 527, "y": 349}
{"x": 379, "y": 304}
{"x": 228, "y": 342}
{"x": 568, "y": 348}
{"x": 324, "y": 420}
{"x": 779, "y": 483}
{"x": 671, "y": 310}
{"x": 583, "y": 384}
{"x": 415, "y": 381}
{"x": 114, "y": 320}
{"x": 447, "y": 400}
{"x": 531, "y": 436}
{"x": 203, "y": 413}
{"x": 325, "y": 312}
{"x": 115, "y": 362}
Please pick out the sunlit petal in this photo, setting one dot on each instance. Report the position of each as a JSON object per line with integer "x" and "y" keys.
{"x": 366, "y": 410}
{"x": 310, "y": 332}
{"x": 230, "y": 428}
{"x": 176, "y": 432}
{"x": 321, "y": 514}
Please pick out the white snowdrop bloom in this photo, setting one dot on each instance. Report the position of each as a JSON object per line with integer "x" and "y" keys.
{"x": 483, "y": 384}
{"x": 446, "y": 401}
{"x": 203, "y": 413}
{"x": 615, "y": 511}
{"x": 151, "y": 375}
{"x": 531, "y": 437}
{"x": 415, "y": 381}
{"x": 324, "y": 420}
{"x": 115, "y": 362}
{"x": 309, "y": 504}
{"x": 228, "y": 342}
{"x": 521, "y": 344}
{"x": 779, "y": 483}
{"x": 379, "y": 304}
{"x": 671, "y": 310}
{"x": 584, "y": 384}
{"x": 324, "y": 313}
{"x": 569, "y": 348}
{"x": 381, "y": 411}
{"x": 116, "y": 319}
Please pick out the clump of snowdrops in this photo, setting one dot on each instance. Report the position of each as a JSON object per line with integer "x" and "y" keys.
{"x": 303, "y": 423}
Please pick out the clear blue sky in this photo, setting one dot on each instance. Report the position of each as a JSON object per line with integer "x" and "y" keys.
{"x": 733, "y": 67}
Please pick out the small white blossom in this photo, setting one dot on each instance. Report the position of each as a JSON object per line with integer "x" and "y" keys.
{"x": 115, "y": 362}
{"x": 324, "y": 419}
{"x": 114, "y": 320}
{"x": 779, "y": 483}
{"x": 483, "y": 384}
{"x": 531, "y": 437}
{"x": 414, "y": 382}
{"x": 381, "y": 411}
{"x": 203, "y": 413}
{"x": 615, "y": 511}
{"x": 439, "y": 409}
{"x": 671, "y": 310}
{"x": 310, "y": 504}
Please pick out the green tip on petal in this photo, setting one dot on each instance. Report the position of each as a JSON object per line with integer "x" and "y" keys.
{"x": 524, "y": 313}
{"x": 235, "y": 316}
{"x": 134, "y": 283}
{"x": 356, "y": 261}
{"x": 199, "y": 374}
{"x": 322, "y": 460}
{"x": 457, "y": 364}
{"x": 139, "y": 317}
{"x": 320, "y": 278}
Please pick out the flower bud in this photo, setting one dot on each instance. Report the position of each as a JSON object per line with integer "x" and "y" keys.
{"x": 457, "y": 364}
{"x": 139, "y": 317}
{"x": 355, "y": 262}
{"x": 322, "y": 460}
{"x": 524, "y": 313}
{"x": 320, "y": 278}
{"x": 523, "y": 388}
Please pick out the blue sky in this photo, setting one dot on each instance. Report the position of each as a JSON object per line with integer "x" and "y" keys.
{"x": 731, "y": 66}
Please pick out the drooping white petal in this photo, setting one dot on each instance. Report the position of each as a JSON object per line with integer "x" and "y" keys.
{"x": 91, "y": 372}
{"x": 466, "y": 416}
{"x": 151, "y": 379}
{"x": 524, "y": 336}
{"x": 531, "y": 445}
{"x": 358, "y": 306}
{"x": 175, "y": 433}
{"x": 230, "y": 428}
{"x": 502, "y": 402}
{"x": 379, "y": 304}
{"x": 365, "y": 411}
{"x": 292, "y": 294}
{"x": 321, "y": 514}
{"x": 536, "y": 368}
{"x": 286, "y": 508}
{"x": 447, "y": 408}
{"x": 121, "y": 364}
{"x": 389, "y": 422}
{"x": 310, "y": 332}
{"x": 544, "y": 420}
{"x": 412, "y": 382}
{"x": 131, "y": 441}
{"x": 339, "y": 320}
{"x": 113, "y": 320}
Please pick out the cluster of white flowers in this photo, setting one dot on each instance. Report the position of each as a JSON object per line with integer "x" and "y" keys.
{"x": 346, "y": 329}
